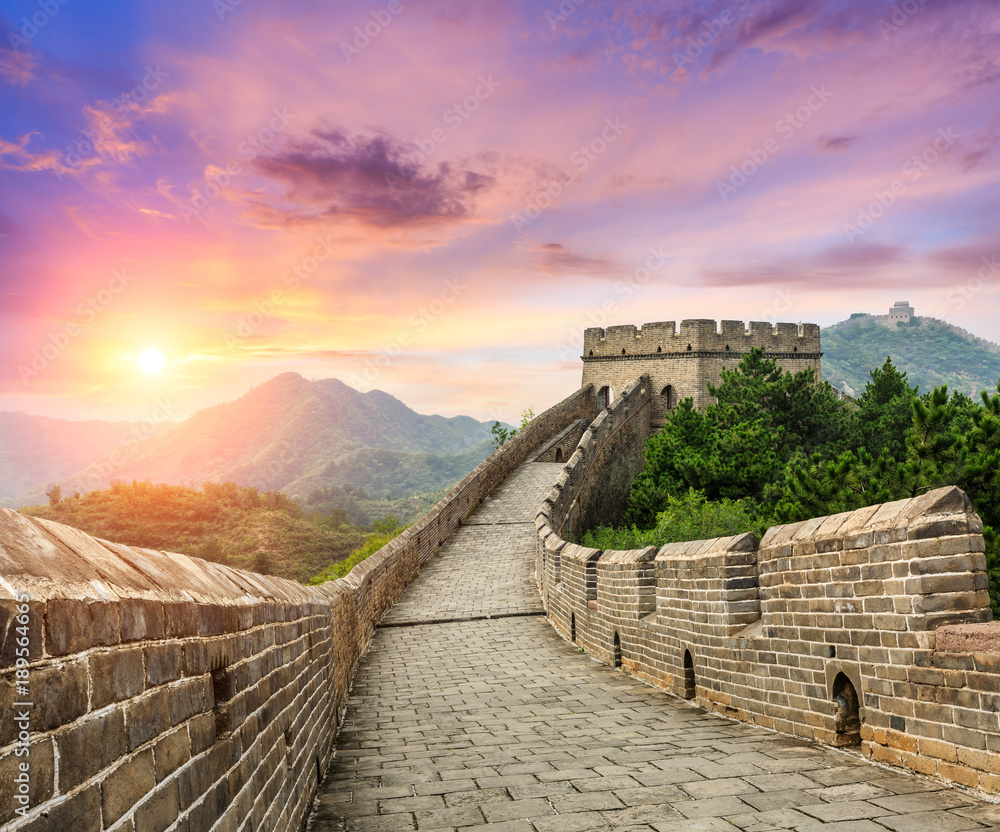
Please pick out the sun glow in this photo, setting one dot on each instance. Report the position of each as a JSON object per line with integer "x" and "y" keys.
{"x": 151, "y": 361}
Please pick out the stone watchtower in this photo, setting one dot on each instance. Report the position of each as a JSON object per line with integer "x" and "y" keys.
{"x": 682, "y": 362}
{"x": 900, "y": 313}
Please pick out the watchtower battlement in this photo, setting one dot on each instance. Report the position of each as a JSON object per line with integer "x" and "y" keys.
{"x": 682, "y": 361}
{"x": 700, "y": 335}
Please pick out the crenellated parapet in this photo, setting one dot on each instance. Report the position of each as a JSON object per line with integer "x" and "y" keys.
{"x": 700, "y": 335}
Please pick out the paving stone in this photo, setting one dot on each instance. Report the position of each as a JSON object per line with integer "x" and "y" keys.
{"x": 477, "y": 797}
{"x": 572, "y": 822}
{"x": 462, "y": 816}
{"x": 718, "y": 788}
{"x": 514, "y": 809}
{"x": 929, "y": 822}
{"x": 650, "y": 796}
{"x": 844, "y": 810}
{"x": 586, "y": 802}
{"x": 713, "y": 807}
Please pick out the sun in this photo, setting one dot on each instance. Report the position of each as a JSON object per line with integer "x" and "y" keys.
{"x": 151, "y": 361}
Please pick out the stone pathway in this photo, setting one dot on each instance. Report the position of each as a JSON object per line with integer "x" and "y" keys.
{"x": 500, "y": 723}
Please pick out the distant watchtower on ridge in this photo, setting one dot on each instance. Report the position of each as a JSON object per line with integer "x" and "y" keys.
{"x": 681, "y": 362}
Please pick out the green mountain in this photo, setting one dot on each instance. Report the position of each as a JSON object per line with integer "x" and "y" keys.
{"x": 288, "y": 434}
{"x": 931, "y": 351}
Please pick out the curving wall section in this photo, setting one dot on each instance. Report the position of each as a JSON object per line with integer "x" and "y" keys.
{"x": 143, "y": 691}
{"x": 870, "y": 628}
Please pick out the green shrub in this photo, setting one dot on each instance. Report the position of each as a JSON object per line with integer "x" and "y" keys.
{"x": 690, "y": 516}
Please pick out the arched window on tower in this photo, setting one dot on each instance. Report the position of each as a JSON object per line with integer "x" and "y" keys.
{"x": 668, "y": 398}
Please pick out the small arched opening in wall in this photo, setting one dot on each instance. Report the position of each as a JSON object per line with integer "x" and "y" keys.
{"x": 559, "y": 455}
{"x": 846, "y": 712}
{"x": 668, "y": 397}
{"x": 572, "y": 627}
{"x": 689, "y": 680}
{"x": 604, "y": 398}
{"x": 618, "y": 651}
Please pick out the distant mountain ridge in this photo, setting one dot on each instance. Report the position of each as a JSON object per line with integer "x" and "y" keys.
{"x": 287, "y": 434}
{"x": 931, "y": 351}
{"x": 36, "y": 450}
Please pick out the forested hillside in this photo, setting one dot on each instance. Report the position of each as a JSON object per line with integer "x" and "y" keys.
{"x": 929, "y": 351}
{"x": 242, "y": 527}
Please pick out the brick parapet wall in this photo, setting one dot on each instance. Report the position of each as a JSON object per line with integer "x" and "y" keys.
{"x": 700, "y": 335}
{"x": 171, "y": 694}
{"x": 888, "y": 602}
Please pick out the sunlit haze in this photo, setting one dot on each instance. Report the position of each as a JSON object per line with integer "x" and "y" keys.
{"x": 435, "y": 199}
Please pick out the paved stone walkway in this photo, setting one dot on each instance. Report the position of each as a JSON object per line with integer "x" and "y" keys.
{"x": 500, "y": 723}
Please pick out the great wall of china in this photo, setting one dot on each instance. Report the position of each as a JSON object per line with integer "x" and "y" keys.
{"x": 152, "y": 692}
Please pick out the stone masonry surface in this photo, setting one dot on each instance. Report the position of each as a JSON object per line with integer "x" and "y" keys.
{"x": 487, "y": 567}
{"x": 501, "y": 723}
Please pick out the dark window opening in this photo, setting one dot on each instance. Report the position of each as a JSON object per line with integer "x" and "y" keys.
{"x": 559, "y": 455}
{"x": 669, "y": 397}
{"x": 847, "y": 712}
{"x": 689, "y": 348}
{"x": 689, "y": 680}
{"x": 623, "y": 350}
{"x": 591, "y": 352}
{"x": 659, "y": 349}
{"x": 727, "y": 347}
{"x": 618, "y": 651}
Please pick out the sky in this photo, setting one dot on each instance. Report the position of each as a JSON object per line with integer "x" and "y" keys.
{"x": 436, "y": 198}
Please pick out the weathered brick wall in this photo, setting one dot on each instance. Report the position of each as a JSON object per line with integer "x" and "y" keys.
{"x": 597, "y": 478}
{"x": 690, "y": 357}
{"x": 167, "y": 692}
{"x": 560, "y": 448}
{"x": 868, "y": 628}
{"x": 591, "y": 490}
